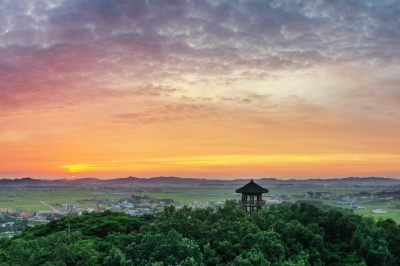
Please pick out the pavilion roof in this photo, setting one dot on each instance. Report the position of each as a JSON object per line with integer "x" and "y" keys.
{"x": 251, "y": 188}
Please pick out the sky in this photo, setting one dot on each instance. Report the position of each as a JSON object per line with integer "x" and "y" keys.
{"x": 199, "y": 89}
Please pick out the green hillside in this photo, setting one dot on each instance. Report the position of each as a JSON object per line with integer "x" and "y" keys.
{"x": 281, "y": 235}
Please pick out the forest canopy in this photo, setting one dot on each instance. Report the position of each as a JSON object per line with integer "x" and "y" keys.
{"x": 296, "y": 234}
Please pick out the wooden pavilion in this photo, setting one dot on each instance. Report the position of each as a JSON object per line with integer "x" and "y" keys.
{"x": 252, "y": 197}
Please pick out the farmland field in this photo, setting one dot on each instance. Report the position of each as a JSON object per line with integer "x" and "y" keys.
{"x": 30, "y": 199}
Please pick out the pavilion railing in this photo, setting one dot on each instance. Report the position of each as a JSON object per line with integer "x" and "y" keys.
{"x": 249, "y": 203}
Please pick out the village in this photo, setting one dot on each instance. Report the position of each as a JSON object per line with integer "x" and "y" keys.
{"x": 13, "y": 221}
{"x": 138, "y": 205}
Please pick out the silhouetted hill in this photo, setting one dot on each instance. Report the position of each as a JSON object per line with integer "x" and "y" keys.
{"x": 177, "y": 181}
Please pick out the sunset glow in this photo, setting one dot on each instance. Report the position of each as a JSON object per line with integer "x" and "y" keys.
{"x": 205, "y": 89}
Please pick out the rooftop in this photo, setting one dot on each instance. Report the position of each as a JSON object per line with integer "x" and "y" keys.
{"x": 251, "y": 188}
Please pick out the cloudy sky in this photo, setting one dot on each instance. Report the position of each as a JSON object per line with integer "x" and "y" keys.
{"x": 208, "y": 89}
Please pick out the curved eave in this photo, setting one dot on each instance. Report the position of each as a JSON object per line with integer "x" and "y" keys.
{"x": 251, "y": 188}
{"x": 265, "y": 191}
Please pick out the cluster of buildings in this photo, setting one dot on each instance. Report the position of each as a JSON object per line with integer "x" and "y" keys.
{"x": 7, "y": 224}
{"x": 150, "y": 208}
{"x": 132, "y": 206}
{"x": 350, "y": 200}
{"x": 343, "y": 197}
{"x": 140, "y": 205}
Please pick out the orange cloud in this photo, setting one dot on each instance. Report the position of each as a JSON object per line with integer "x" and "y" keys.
{"x": 231, "y": 89}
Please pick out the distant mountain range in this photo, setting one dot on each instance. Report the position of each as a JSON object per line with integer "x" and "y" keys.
{"x": 185, "y": 182}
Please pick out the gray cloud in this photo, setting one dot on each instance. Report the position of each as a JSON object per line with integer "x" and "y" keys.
{"x": 247, "y": 29}
{"x": 51, "y": 46}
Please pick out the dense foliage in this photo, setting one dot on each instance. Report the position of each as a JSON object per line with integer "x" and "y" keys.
{"x": 281, "y": 235}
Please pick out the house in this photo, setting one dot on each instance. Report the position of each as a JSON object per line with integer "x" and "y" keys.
{"x": 379, "y": 211}
{"x": 98, "y": 208}
{"x": 131, "y": 212}
{"x": 127, "y": 204}
{"x": 89, "y": 209}
{"x": 44, "y": 212}
{"x": 25, "y": 214}
{"x": 7, "y": 224}
{"x": 270, "y": 201}
{"x": 6, "y": 210}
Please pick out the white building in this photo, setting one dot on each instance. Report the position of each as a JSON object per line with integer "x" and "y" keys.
{"x": 379, "y": 211}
